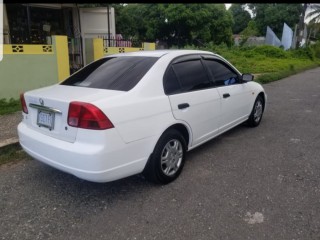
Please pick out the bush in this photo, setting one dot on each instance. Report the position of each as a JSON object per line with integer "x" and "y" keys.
{"x": 316, "y": 49}
{"x": 307, "y": 53}
{"x": 270, "y": 51}
{"x": 249, "y": 54}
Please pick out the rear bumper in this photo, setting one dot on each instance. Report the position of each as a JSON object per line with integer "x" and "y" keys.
{"x": 98, "y": 156}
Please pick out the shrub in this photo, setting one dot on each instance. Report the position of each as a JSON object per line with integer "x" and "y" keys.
{"x": 316, "y": 49}
{"x": 307, "y": 53}
{"x": 270, "y": 51}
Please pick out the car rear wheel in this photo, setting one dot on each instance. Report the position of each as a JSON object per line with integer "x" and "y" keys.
{"x": 167, "y": 160}
{"x": 256, "y": 113}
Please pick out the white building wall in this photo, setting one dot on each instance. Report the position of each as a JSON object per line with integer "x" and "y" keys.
{"x": 94, "y": 23}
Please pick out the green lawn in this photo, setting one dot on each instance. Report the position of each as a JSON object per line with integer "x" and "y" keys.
{"x": 268, "y": 62}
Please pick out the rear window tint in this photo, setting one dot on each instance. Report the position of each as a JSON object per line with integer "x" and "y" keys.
{"x": 171, "y": 84}
{"x": 118, "y": 73}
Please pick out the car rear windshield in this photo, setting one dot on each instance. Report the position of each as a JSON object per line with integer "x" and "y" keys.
{"x": 113, "y": 73}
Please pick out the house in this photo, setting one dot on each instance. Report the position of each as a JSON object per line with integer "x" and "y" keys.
{"x": 31, "y": 23}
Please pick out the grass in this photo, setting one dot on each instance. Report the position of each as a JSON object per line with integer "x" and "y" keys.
{"x": 12, "y": 153}
{"x": 268, "y": 62}
{"x": 11, "y": 106}
{"x": 274, "y": 76}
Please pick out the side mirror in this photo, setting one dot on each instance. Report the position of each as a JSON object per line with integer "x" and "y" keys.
{"x": 247, "y": 77}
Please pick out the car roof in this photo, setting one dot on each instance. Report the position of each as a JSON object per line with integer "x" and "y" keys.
{"x": 160, "y": 53}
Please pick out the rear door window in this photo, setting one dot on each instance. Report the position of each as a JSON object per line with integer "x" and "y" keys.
{"x": 117, "y": 73}
{"x": 171, "y": 83}
{"x": 192, "y": 75}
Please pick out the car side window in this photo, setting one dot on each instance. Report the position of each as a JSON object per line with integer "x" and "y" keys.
{"x": 171, "y": 82}
{"x": 222, "y": 75}
{"x": 191, "y": 75}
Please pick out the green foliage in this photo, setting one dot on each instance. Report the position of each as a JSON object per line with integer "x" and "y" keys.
{"x": 130, "y": 21}
{"x": 316, "y": 49}
{"x": 270, "y": 51}
{"x": 313, "y": 30}
{"x": 305, "y": 53}
{"x": 241, "y": 17}
{"x": 268, "y": 62}
{"x": 177, "y": 24}
{"x": 10, "y": 106}
{"x": 270, "y": 77}
{"x": 314, "y": 14}
{"x": 250, "y": 30}
{"x": 274, "y": 15}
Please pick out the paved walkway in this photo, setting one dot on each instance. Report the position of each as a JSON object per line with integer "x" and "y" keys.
{"x": 8, "y": 128}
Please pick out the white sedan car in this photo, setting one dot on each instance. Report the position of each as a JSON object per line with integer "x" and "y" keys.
{"x": 137, "y": 112}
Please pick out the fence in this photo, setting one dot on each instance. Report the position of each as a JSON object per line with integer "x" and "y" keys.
{"x": 119, "y": 42}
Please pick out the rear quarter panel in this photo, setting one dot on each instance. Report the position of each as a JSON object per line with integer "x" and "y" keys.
{"x": 145, "y": 110}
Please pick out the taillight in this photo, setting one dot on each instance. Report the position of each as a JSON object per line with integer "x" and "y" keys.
{"x": 88, "y": 116}
{"x": 23, "y": 103}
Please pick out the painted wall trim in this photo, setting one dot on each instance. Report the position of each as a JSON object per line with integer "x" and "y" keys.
{"x": 27, "y": 49}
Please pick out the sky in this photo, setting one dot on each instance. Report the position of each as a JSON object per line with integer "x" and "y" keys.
{"x": 227, "y": 5}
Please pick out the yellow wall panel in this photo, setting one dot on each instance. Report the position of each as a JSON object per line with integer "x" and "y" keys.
{"x": 61, "y": 44}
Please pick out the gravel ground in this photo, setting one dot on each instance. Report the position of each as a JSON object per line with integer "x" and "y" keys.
{"x": 260, "y": 183}
{"x": 8, "y": 126}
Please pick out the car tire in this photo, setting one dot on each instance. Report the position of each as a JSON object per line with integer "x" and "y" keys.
{"x": 256, "y": 113}
{"x": 167, "y": 160}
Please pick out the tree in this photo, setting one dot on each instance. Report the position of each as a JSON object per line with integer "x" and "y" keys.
{"x": 274, "y": 15}
{"x": 315, "y": 13}
{"x": 198, "y": 23}
{"x": 130, "y": 21}
{"x": 178, "y": 24}
{"x": 241, "y": 17}
{"x": 249, "y": 31}
{"x": 314, "y": 31}
{"x": 314, "y": 23}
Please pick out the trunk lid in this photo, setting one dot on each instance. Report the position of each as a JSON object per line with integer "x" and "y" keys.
{"x": 48, "y": 108}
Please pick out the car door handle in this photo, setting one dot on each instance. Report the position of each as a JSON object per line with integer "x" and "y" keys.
{"x": 183, "y": 105}
{"x": 226, "y": 95}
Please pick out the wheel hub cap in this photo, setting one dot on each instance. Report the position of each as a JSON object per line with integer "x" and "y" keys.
{"x": 171, "y": 157}
{"x": 258, "y": 111}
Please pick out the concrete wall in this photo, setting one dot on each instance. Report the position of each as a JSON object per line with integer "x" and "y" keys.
{"x": 27, "y": 67}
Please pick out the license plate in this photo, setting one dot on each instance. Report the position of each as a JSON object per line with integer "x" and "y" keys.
{"x": 45, "y": 119}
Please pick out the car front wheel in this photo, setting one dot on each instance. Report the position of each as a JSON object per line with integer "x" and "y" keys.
{"x": 256, "y": 113}
{"x": 167, "y": 160}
